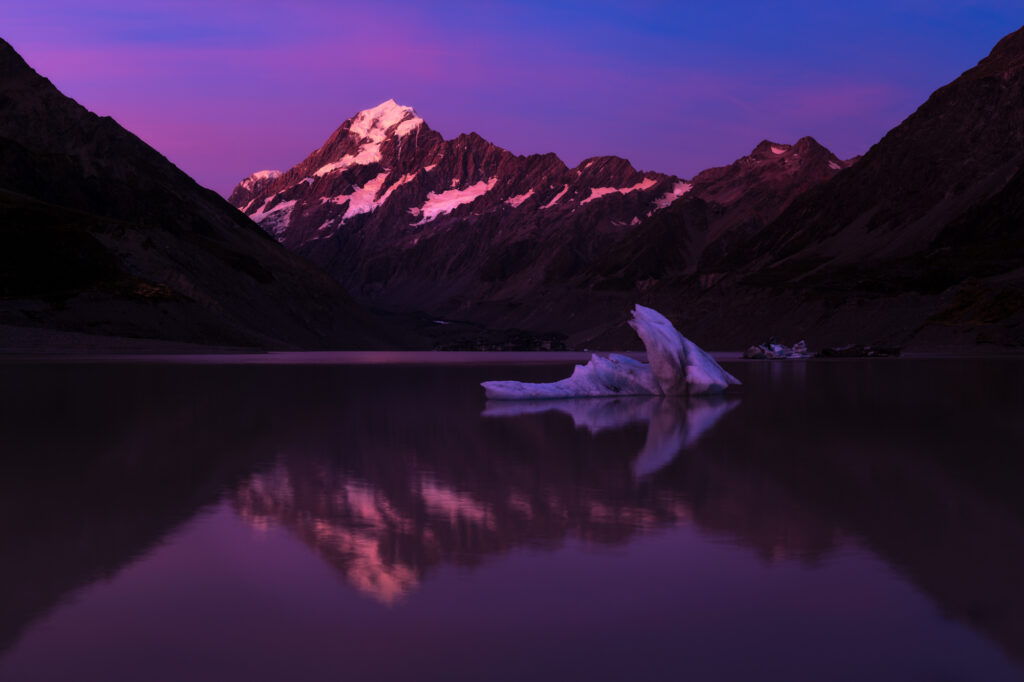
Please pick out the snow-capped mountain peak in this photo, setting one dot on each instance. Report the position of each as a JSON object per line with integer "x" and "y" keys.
{"x": 388, "y": 116}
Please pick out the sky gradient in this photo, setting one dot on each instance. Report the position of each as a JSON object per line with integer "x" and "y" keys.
{"x": 227, "y": 88}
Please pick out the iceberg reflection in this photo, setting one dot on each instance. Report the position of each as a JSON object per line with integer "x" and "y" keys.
{"x": 673, "y": 424}
{"x": 386, "y": 487}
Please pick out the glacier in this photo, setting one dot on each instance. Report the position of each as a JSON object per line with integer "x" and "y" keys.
{"x": 676, "y": 366}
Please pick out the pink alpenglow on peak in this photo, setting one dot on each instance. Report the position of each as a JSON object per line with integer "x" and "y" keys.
{"x": 369, "y": 129}
{"x": 258, "y": 180}
{"x": 375, "y": 124}
{"x": 677, "y": 367}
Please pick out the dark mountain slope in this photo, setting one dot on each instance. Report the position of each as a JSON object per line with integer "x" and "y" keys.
{"x": 102, "y": 234}
{"x": 958, "y": 150}
{"x": 933, "y": 211}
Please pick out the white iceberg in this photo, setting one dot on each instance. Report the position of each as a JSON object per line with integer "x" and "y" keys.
{"x": 677, "y": 367}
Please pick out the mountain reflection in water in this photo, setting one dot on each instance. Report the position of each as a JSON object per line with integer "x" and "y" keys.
{"x": 390, "y": 472}
{"x": 382, "y": 533}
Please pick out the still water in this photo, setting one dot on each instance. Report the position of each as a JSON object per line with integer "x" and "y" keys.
{"x": 830, "y": 520}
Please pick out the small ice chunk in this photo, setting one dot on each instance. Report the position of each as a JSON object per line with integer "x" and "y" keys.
{"x": 770, "y": 350}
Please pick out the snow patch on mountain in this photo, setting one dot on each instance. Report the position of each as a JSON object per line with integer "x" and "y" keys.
{"x": 598, "y": 192}
{"x": 834, "y": 166}
{"x": 517, "y": 201}
{"x": 778, "y": 150}
{"x": 447, "y": 201}
{"x": 408, "y": 177}
{"x": 367, "y": 154}
{"x": 678, "y": 190}
{"x": 557, "y": 197}
{"x": 274, "y": 220}
{"x": 364, "y": 199}
{"x": 259, "y": 176}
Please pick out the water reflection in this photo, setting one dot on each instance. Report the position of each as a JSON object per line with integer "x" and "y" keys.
{"x": 383, "y": 531}
{"x": 673, "y": 423}
{"x": 388, "y": 473}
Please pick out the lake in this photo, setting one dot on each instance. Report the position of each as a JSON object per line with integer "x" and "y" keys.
{"x": 373, "y": 517}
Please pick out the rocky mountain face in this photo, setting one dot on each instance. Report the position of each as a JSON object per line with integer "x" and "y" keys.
{"x": 104, "y": 235}
{"x": 753, "y": 191}
{"x": 920, "y": 241}
{"x": 461, "y": 228}
{"x": 931, "y": 219}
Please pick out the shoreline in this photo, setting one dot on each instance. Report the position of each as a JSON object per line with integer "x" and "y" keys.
{"x": 40, "y": 345}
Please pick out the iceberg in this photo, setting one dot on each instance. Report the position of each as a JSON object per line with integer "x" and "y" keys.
{"x": 677, "y": 367}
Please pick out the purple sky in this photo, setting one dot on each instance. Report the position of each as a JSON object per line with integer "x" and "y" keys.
{"x": 229, "y": 87}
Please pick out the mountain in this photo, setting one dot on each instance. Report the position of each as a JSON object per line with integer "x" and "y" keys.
{"x": 754, "y": 190}
{"x": 931, "y": 219}
{"x": 408, "y": 221}
{"x": 104, "y": 235}
{"x": 919, "y": 242}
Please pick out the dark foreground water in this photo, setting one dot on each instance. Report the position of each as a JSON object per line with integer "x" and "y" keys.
{"x": 845, "y": 520}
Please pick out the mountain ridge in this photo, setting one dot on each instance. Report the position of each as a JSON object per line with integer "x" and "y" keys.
{"x": 920, "y": 241}
{"x": 462, "y": 227}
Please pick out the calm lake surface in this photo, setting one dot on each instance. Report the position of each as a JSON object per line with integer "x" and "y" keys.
{"x": 830, "y": 520}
